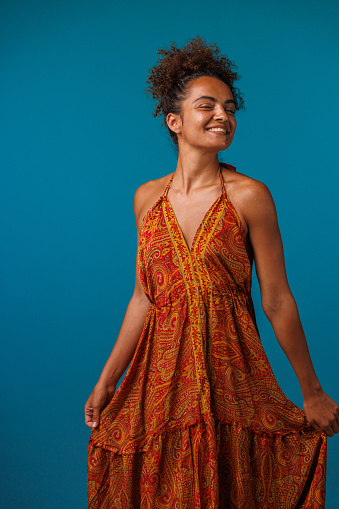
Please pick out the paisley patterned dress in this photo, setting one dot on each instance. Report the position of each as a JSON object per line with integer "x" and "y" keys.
{"x": 199, "y": 420}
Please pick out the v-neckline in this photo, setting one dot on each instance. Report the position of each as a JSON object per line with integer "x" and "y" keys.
{"x": 205, "y": 217}
{"x": 203, "y": 221}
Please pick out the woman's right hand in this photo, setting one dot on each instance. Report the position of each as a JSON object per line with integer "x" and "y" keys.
{"x": 97, "y": 401}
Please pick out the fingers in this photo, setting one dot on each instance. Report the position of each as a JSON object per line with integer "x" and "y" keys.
{"x": 322, "y": 413}
{"x": 330, "y": 427}
{"x": 92, "y": 416}
{"x": 315, "y": 426}
{"x": 97, "y": 401}
{"x": 328, "y": 430}
{"x": 336, "y": 413}
{"x": 88, "y": 415}
{"x": 95, "y": 417}
{"x": 334, "y": 425}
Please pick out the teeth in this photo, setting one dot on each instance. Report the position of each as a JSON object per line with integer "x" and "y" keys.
{"x": 218, "y": 129}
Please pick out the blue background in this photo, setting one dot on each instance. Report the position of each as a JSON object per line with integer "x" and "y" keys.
{"x": 78, "y": 137}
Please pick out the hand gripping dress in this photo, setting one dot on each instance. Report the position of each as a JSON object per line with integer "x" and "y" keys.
{"x": 199, "y": 420}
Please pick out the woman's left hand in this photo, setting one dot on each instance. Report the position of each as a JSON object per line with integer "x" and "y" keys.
{"x": 322, "y": 412}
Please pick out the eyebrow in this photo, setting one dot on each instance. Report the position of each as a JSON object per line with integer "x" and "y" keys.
{"x": 213, "y": 99}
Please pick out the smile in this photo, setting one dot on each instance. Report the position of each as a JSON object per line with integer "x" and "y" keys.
{"x": 218, "y": 130}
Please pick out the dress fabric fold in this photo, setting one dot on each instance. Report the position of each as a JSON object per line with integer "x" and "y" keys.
{"x": 199, "y": 420}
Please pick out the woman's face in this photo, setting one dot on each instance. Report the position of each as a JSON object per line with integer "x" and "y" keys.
{"x": 207, "y": 117}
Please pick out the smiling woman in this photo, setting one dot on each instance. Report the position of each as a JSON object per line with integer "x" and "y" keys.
{"x": 179, "y": 67}
{"x": 199, "y": 420}
{"x": 208, "y": 120}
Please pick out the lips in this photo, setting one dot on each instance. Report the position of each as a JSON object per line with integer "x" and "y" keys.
{"x": 218, "y": 129}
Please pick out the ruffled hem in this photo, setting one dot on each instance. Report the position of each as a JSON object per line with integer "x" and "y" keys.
{"x": 212, "y": 466}
{"x": 302, "y": 430}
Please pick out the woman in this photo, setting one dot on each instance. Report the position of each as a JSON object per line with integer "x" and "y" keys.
{"x": 199, "y": 420}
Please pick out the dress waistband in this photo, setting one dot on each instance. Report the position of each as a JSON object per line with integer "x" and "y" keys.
{"x": 176, "y": 296}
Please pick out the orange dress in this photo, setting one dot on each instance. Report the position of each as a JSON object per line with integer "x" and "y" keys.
{"x": 199, "y": 420}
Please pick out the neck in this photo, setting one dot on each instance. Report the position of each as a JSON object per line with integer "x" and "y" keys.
{"x": 195, "y": 170}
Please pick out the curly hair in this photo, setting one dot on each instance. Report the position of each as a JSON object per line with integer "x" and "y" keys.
{"x": 178, "y": 66}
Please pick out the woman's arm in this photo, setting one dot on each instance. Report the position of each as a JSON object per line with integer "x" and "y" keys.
{"x": 280, "y": 307}
{"x": 123, "y": 350}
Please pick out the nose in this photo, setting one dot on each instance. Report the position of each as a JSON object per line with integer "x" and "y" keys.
{"x": 220, "y": 114}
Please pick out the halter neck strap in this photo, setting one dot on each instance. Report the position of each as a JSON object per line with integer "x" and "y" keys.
{"x": 222, "y": 181}
{"x": 168, "y": 185}
{"x": 229, "y": 167}
{"x": 220, "y": 176}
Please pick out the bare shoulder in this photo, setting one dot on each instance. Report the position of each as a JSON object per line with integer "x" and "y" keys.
{"x": 250, "y": 197}
{"x": 147, "y": 195}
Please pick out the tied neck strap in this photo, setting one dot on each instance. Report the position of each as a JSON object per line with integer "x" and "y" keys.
{"x": 222, "y": 181}
{"x": 220, "y": 175}
{"x": 168, "y": 186}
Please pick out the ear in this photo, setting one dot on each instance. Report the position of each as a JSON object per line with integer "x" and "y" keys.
{"x": 174, "y": 122}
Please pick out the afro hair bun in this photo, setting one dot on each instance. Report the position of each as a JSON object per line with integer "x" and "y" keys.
{"x": 177, "y": 66}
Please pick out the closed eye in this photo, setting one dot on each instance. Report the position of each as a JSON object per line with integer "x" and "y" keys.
{"x": 211, "y": 106}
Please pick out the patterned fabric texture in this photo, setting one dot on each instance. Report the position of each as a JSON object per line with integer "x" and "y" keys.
{"x": 199, "y": 420}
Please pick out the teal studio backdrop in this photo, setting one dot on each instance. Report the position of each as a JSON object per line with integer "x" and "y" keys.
{"x": 78, "y": 137}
